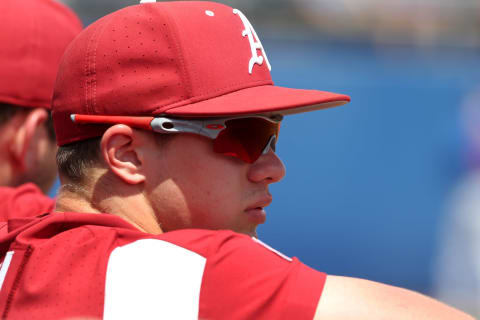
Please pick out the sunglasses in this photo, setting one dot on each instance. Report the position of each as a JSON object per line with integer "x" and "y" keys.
{"x": 246, "y": 138}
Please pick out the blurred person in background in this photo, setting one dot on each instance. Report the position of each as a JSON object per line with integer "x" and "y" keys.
{"x": 33, "y": 37}
{"x": 457, "y": 274}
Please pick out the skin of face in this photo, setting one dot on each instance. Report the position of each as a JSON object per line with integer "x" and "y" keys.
{"x": 44, "y": 170}
{"x": 190, "y": 186}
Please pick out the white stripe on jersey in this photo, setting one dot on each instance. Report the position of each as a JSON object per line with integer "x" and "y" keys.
{"x": 271, "y": 249}
{"x": 153, "y": 279}
{"x": 4, "y": 267}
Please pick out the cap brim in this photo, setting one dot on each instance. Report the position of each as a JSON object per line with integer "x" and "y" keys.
{"x": 261, "y": 100}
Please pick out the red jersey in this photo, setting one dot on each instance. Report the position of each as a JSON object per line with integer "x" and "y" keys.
{"x": 68, "y": 265}
{"x": 22, "y": 202}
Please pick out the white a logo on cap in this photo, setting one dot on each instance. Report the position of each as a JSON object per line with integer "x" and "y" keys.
{"x": 255, "y": 43}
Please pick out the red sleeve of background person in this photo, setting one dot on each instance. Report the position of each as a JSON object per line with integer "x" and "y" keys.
{"x": 24, "y": 201}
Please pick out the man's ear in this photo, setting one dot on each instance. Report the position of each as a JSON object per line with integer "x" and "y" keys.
{"x": 21, "y": 148}
{"x": 119, "y": 148}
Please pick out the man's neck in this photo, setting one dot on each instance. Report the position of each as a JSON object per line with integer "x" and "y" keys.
{"x": 73, "y": 199}
{"x": 133, "y": 209}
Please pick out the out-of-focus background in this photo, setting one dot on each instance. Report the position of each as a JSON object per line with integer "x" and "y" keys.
{"x": 387, "y": 187}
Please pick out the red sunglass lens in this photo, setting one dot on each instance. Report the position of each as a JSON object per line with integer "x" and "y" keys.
{"x": 245, "y": 138}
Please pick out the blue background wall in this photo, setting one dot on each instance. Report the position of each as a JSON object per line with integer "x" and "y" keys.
{"x": 366, "y": 183}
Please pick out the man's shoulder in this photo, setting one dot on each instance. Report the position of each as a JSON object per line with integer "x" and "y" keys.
{"x": 214, "y": 273}
{"x": 27, "y": 189}
{"x": 223, "y": 270}
{"x": 115, "y": 232}
{"x": 106, "y": 235}
{"x": 204, "y": 243}
{"x": 109, "y": 232}
{"x": 24, "y": 201}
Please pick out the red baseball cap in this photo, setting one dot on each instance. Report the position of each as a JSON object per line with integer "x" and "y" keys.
{"x": 181, "y": 59}
{"x": 33, "y": 37}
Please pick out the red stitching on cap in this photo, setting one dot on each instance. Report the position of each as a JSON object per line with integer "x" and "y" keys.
{"x": 87, "y": 71}
{"x": 179, "y": 52}
{"x": 90, "y": 67}
{"x": 86, "y": 74}
{"x": 95, "y": 63}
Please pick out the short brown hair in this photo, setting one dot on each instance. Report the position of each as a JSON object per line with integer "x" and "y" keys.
{"x": 74, "y": 159}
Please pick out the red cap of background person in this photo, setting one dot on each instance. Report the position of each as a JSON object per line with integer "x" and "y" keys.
{"x": 183, "y": 59}
{"x": 33, "y": 37}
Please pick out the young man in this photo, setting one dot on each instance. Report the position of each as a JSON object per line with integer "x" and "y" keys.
{"x": 34, "y": 35}
{"x": 167, "y": 118}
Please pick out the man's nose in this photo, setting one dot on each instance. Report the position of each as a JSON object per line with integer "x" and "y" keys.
{"x": 268, "y": 169}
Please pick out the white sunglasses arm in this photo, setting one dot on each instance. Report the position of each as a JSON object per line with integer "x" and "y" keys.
{"x": 209, "y": 129}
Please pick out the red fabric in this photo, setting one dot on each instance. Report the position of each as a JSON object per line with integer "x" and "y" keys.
{"x": 245, "y": 280}
{"x": 59, "y": 265}
{"x": 169, "y": 58}
{"x": 23, "y": 202}
{"x": 33, "y": 37}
